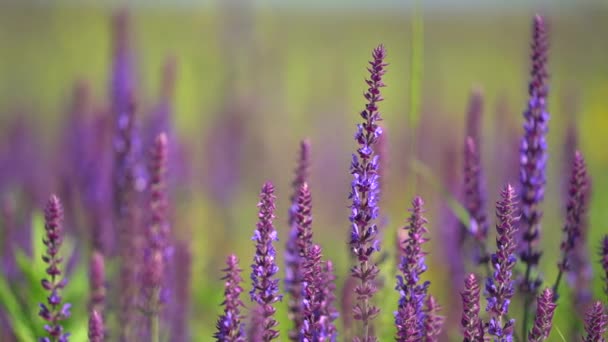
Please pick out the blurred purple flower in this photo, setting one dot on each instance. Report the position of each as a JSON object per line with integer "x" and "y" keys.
{"x": 575, "y": 212}
{"x": 96, "y": 327}
{"x": 365, "y": 195}
{"x": 412, "y": 291}
{"x": 265, "y": 291}
{"x": 433, "y": 322}
{"x": 545, "y": 309}
{"x": 314, "y": 327}
{"x": 328, "y": 288}
{"x": 54, "y": 311}
{"x": 604, "y": 261}
{"x": 179, "y": 317}
{"x": 500, "y": 286}
{"x": 97, "y": 283}
{"x": 472, "y": 326}
{"x": 229, "y": 326}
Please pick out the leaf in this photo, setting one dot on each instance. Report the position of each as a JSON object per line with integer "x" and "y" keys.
{"x": 18, "y": 319}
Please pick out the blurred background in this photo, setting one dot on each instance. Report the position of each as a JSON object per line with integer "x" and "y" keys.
{"x": 239, "y": 83}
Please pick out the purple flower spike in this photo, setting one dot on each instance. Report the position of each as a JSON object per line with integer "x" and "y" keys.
{"x": 533, "y": 156}
{"x": 96, "y": 327}
{"x": 412, "y": 291}
{"x": 604, "y": 261}
{"x": 575, "y": 211}
{"x": 158, "y": 233}
{"x": 302, "y": 222}
{"x": 475, "y": 198}
{"x": 54, "y": 311}
{"x": 365, "y": 195}
{"x": 408, "y": 328}
{"x": 500, "y": 287}
{"x": 471, "y": 324}
{"x": 97, "y": 283}
{"x": 596, "y": 322}
{"x": 264, "y": 268}
{"x": 229, "y": 326}
{"x": 313, "y": 327}
{"x": 545, "y": 307}
{"x": 293, "y": 272}
{"x": 433, "y": 322}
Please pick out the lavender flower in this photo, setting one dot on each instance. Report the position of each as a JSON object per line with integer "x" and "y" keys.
{"x": 533, "y": 163}
{"x": 54, "y": 312}
{"x": 499, "y": 287}
{"x": 96, "y": 327}
{"x": 475, "y": 198}
{"x": 596, "y": 322}
{"x": 97, "y": 286}
{"x": 545, "y": 308}
{"x": 364, "y": 195}
{"x": 264, "y": 269}
{"x": 409, "y": 330}
{"x": 433, "y": 322}
{"x": 313, "y": 327}
{"x": 300, "y": 202}
{"x": 412, "y": 265}
{"x": 575, "y": 211}
{"x": 604, "y": 261}
{"x": 229, "y": 326}
{"x": 471, "y": 324}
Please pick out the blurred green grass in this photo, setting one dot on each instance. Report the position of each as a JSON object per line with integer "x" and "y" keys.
{"x": 303, "y": 73}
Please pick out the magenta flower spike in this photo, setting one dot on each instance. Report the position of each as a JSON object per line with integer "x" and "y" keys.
{"x": 54, "y": 311}
{"x": 596, "y": 323}
{"x": 265, "y": 291}
{"x": 365, "y": 195}
{"x": 472, "y": 326}
{"x": 545, "y": 308}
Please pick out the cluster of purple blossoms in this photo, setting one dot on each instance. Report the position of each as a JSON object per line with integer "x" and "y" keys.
{"x": 545, "y": 308}
{"x": 596, "y": 323}
{"x": 472, "y": 326}
{"x": 54, "y": 311}
{"x": 365, "y": 195}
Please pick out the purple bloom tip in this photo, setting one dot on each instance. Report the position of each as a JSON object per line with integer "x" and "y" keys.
{"x": 544, "y": 317}
{"x": 596, "y": 323}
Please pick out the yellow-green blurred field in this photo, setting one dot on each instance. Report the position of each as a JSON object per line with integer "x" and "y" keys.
{"x": 291, "y": 74}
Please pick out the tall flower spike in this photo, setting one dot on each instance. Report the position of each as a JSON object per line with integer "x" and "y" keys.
{"x": 433, "y": 322}
{"x": 364, "y": 195}
{"x": 264, "y": 268}
{"x": 54, "y": 311}
{"x": 604, "y": 261}
{"x": 293, "y": 272}
{"x": 97, "y": 280}
{"x": 156, "y": 257}
{"x": 412, "y": 291}
{"x": 471, "y": 324}
{"x": 596, "y": 322}
{"x": 575, "y": 211}
{"x": 313, "y": 327}
{"x": 96, "y": 327}
{"x": 533, "y": 163}
{"x": 545, "y": 307}
{"x": 500, "y": 287}
{"x": 475, "y": 198}
{"x": 229, "y": 326}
